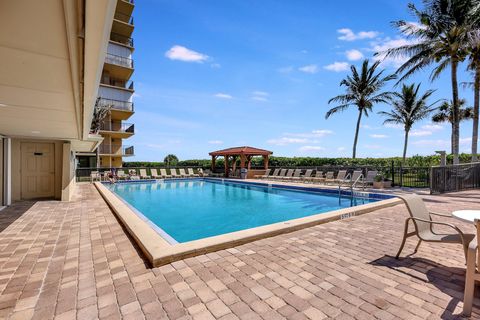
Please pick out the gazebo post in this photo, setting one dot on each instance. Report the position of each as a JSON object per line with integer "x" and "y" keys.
{"x": 213, "y": 163}
{"x": 226, "y": 166}
{"x": 265, "y": 162}
{"x": 242, "y": 161}
{"x": 249, "y": 162}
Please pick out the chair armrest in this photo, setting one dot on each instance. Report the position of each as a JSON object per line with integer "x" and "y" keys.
{"x": 448, "y": 215}
{"x": 473, "y": 244}
{"x": 442, "y": 224}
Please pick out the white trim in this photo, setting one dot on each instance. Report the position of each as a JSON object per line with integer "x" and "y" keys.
{"x": 7, "y": 170}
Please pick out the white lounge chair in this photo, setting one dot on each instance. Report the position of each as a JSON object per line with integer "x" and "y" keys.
{"x": 191, "y": 173}
{"x": 95, "y": 176}
{"x": 173, "y": 173}
{"x": 351, "y": 179}
{"x": 163, "y": 174}
{"x": 281, "y": 175}
{"x": 289, "y": 174}
{"x": 155, "y": 174}
{"x": 182, "y": 172}
{"x": 295, "y": 176}
{"x": 121, "y": 175}
{"x": 275, "y": 173}
{"x": 341, "y": 175}
{"x": 261, "y": 176}
{"x": 143, "y": 174}
{"x": 370, "y": 177}
{"x": 201, "y": 173}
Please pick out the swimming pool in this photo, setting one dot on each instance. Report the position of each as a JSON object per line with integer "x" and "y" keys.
{"x": 187, "y": 210}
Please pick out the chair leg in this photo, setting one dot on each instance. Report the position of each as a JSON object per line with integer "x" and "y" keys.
{"x": 418, "y": 245}
{"x": 469, "y": 284}
{"x": 404, "y": 239}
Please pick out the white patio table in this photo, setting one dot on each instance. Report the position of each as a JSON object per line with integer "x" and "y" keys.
{"x": 467, "y": 215}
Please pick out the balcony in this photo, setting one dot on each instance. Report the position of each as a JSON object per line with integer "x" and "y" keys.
{"x": 116, "y": 104}
{"x": 122, "y": 25}
{"x": 117, "y": 129}
{"x": 118, "y": 83}
{"x": 116, "y": 150}
{"x": 119, "y": 60}
{"x": 119, "y": 38}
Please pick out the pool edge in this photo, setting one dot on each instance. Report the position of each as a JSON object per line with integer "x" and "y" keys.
{"x": 159, "y": 252}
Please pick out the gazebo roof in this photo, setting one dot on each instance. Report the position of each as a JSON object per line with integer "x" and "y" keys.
{"x": 245, "y": 150}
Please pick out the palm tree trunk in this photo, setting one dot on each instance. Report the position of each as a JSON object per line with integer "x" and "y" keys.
{"x": 356, "y": 134}
{"x": 456, "y": 118}
{"x": 405, "y": 144}
{"x": 476, "y": 107}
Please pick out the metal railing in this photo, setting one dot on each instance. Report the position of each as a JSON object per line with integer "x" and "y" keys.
{"x": 119, "y": 60}
{"x": 123, "y": 17}
{"x": 116, "y": 104}
{"x": 129, "y": 1}
{"x": 115, "y": 149}
{"x": 454, "y": 178}
{"x": 118, "y": 127}
{"x": 120, "y": 38}
{"x": 120, "y": 83}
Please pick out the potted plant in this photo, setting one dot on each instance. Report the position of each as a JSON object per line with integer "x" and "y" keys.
{"x": 380, "y": 182}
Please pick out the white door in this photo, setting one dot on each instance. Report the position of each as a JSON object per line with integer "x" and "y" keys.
{"x": 38, "y": 170}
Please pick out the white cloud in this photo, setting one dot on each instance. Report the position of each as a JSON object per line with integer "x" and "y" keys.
{"x": 286, "y": 140}
{"x": 260, "y": 93}
{"x": 348, "y": 34}
{"x": 420, "y": 133}
{"x": 426, "y": 130}
{"x": 184, "y": 54}
{"x": 311, "y": 68}
{"x": 378, "y": 136}
{"x": 215, "y": 142}
{"x": 337, "y": 66}
{"x": 310, "y": 148}
{"x": 313, "y": 134}
{"x": 223, "y": 95}
{"x": 393, "y": 126}
{"x": 259, "y": 98}
{"x": 341, "y": 149}
{"x": 433, "y": 127}
{"x": 441, "y": 143}
{"x": 354, "y": 55}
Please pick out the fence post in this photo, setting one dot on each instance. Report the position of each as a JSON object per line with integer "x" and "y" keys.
{"x": 393, "y": 174}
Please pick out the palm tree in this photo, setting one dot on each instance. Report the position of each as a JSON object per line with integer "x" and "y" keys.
{"x": 170, "y": 160}
{"x": 439, "y": 39}
{"x": 473, "y": 48}
{"x": 363, "y": 92}
{"x": 445, "y": 114}
{"x": 409, "y": 107}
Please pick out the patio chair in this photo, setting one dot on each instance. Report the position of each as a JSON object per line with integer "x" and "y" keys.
{"x": 173, "y": 173}
{"x": 163, "y": 174}
{"x": 182, "y": 172}
{"x": 307, "y": 175}
{"x": 155, "y": 174}
{"x": 280, "y": 175}
{"x": 424, "y": 226}
{"x": 289, "y": 174}
{"x": 201, "y": 173}
{"x": 295, "y": 176}
{"x": 319, "y": 176}
{"x": 143, "y": 174}
{"x": 275, "y": 173}
{"x": 370, "y": 177}
{"x": 191, "y": 173}
{"x": 351, "y": 179}
{"x": 341, "y": 176}
{"x": 95, "y": 176}
{"x": 121, "y": 175}
{"x": 133, "y": 175}
{"x": 473, "y": 271}
{"x": 260, "y": 176}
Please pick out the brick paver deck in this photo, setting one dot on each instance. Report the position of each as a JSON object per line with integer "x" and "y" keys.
{"x": 74, "y": 260}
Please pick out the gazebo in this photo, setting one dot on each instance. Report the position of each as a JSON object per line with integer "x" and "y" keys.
{"x": 245, "y": 153}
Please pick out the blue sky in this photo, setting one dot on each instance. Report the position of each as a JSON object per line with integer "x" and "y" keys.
{"x": 216, "y": 74}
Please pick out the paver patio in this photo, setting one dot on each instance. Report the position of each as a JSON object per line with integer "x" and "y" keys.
{"x": 74, "y": 260}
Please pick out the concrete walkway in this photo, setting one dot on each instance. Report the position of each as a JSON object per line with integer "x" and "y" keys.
{"x": 75, "y": 261}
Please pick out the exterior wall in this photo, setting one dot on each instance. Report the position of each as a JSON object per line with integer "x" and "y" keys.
{"x": 2, "y": 179}
{"x": 68, "y": 172}
{"x": 16, "y": 167}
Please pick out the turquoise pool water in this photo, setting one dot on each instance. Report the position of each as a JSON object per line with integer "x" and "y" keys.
{"x": 194, "y": 209}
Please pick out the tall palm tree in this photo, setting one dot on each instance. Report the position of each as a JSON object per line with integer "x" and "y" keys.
{"x": 473, "y": 49}
{"x": 409, "y": 107}
{"x": 445, "y": 114}
{"x": 438, "y": 37}
{"x": 363, "y": 90}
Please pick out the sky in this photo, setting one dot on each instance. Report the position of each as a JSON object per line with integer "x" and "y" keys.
{"x": 213, "y": 74}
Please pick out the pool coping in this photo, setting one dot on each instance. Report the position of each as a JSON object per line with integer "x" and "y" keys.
{"x": 160, "y": 252}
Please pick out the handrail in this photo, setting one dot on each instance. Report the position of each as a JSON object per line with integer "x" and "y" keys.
{"x": 119, "y": 60}
{"x": 120, "y": 83}
{"x": 121, "y": 39}
{"x": 116, "y": 104}
{"x": 107, "y": 149}
{"x": 118, "y": 127}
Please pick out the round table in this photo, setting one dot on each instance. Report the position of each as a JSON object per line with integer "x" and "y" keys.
{"x": 467, "y": 215}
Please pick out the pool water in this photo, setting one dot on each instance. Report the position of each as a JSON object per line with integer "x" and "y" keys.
{"x": 194, "y": 209}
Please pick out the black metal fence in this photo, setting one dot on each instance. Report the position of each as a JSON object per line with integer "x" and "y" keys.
{"x": 455, "y": 178}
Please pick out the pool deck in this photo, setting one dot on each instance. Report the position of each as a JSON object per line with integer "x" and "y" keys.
{"x": 75, "y": 261}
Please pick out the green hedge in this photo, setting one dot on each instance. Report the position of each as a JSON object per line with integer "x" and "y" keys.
{"x": 415, "y": 161}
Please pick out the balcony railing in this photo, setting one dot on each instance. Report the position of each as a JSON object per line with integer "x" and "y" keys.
{"x": 116, "y": 149}
{"x": 121, "y": 39}
{"x": 124, "y": 84}
{"x": 116, "y": 104}
{"x": 118, "y": 127}
{"x": 129, "y": 1}
{"x": 123, "y": 17}
{"x": 119, "y": 60}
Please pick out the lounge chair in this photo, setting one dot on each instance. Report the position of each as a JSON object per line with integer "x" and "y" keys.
{"x": 423, "y": 223}
{"x": 275, "y": 173}
{"x": 319, "y": 177}
{"x": 473, "y": 272}
{"x": 289, "y": 174}
{"x": 295, "y": 176}
{"x": 155, "y": 174}
{"x": 352, "y": 179}
{"x": 191, "y": 173}
{"x": 341, "y": 175}
{"x": 307, "y": 175}
{"x": 173, "y": 173}
{"x": 143, "y": 174}
{"x": 95, "y": 176}
{"x": 163, "y": 174}
{"x": 260, "y": 176}
{"x": 121, "y": 175}
{"x": 280, "y": 175}
{"x": 201, "y": 173}
{"x": 370, "y": 177}
{"x": 182, "y": 172}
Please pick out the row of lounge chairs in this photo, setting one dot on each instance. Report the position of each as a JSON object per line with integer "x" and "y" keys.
{"x": 342, "y": 178}
{"x": 133, "y": 174}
